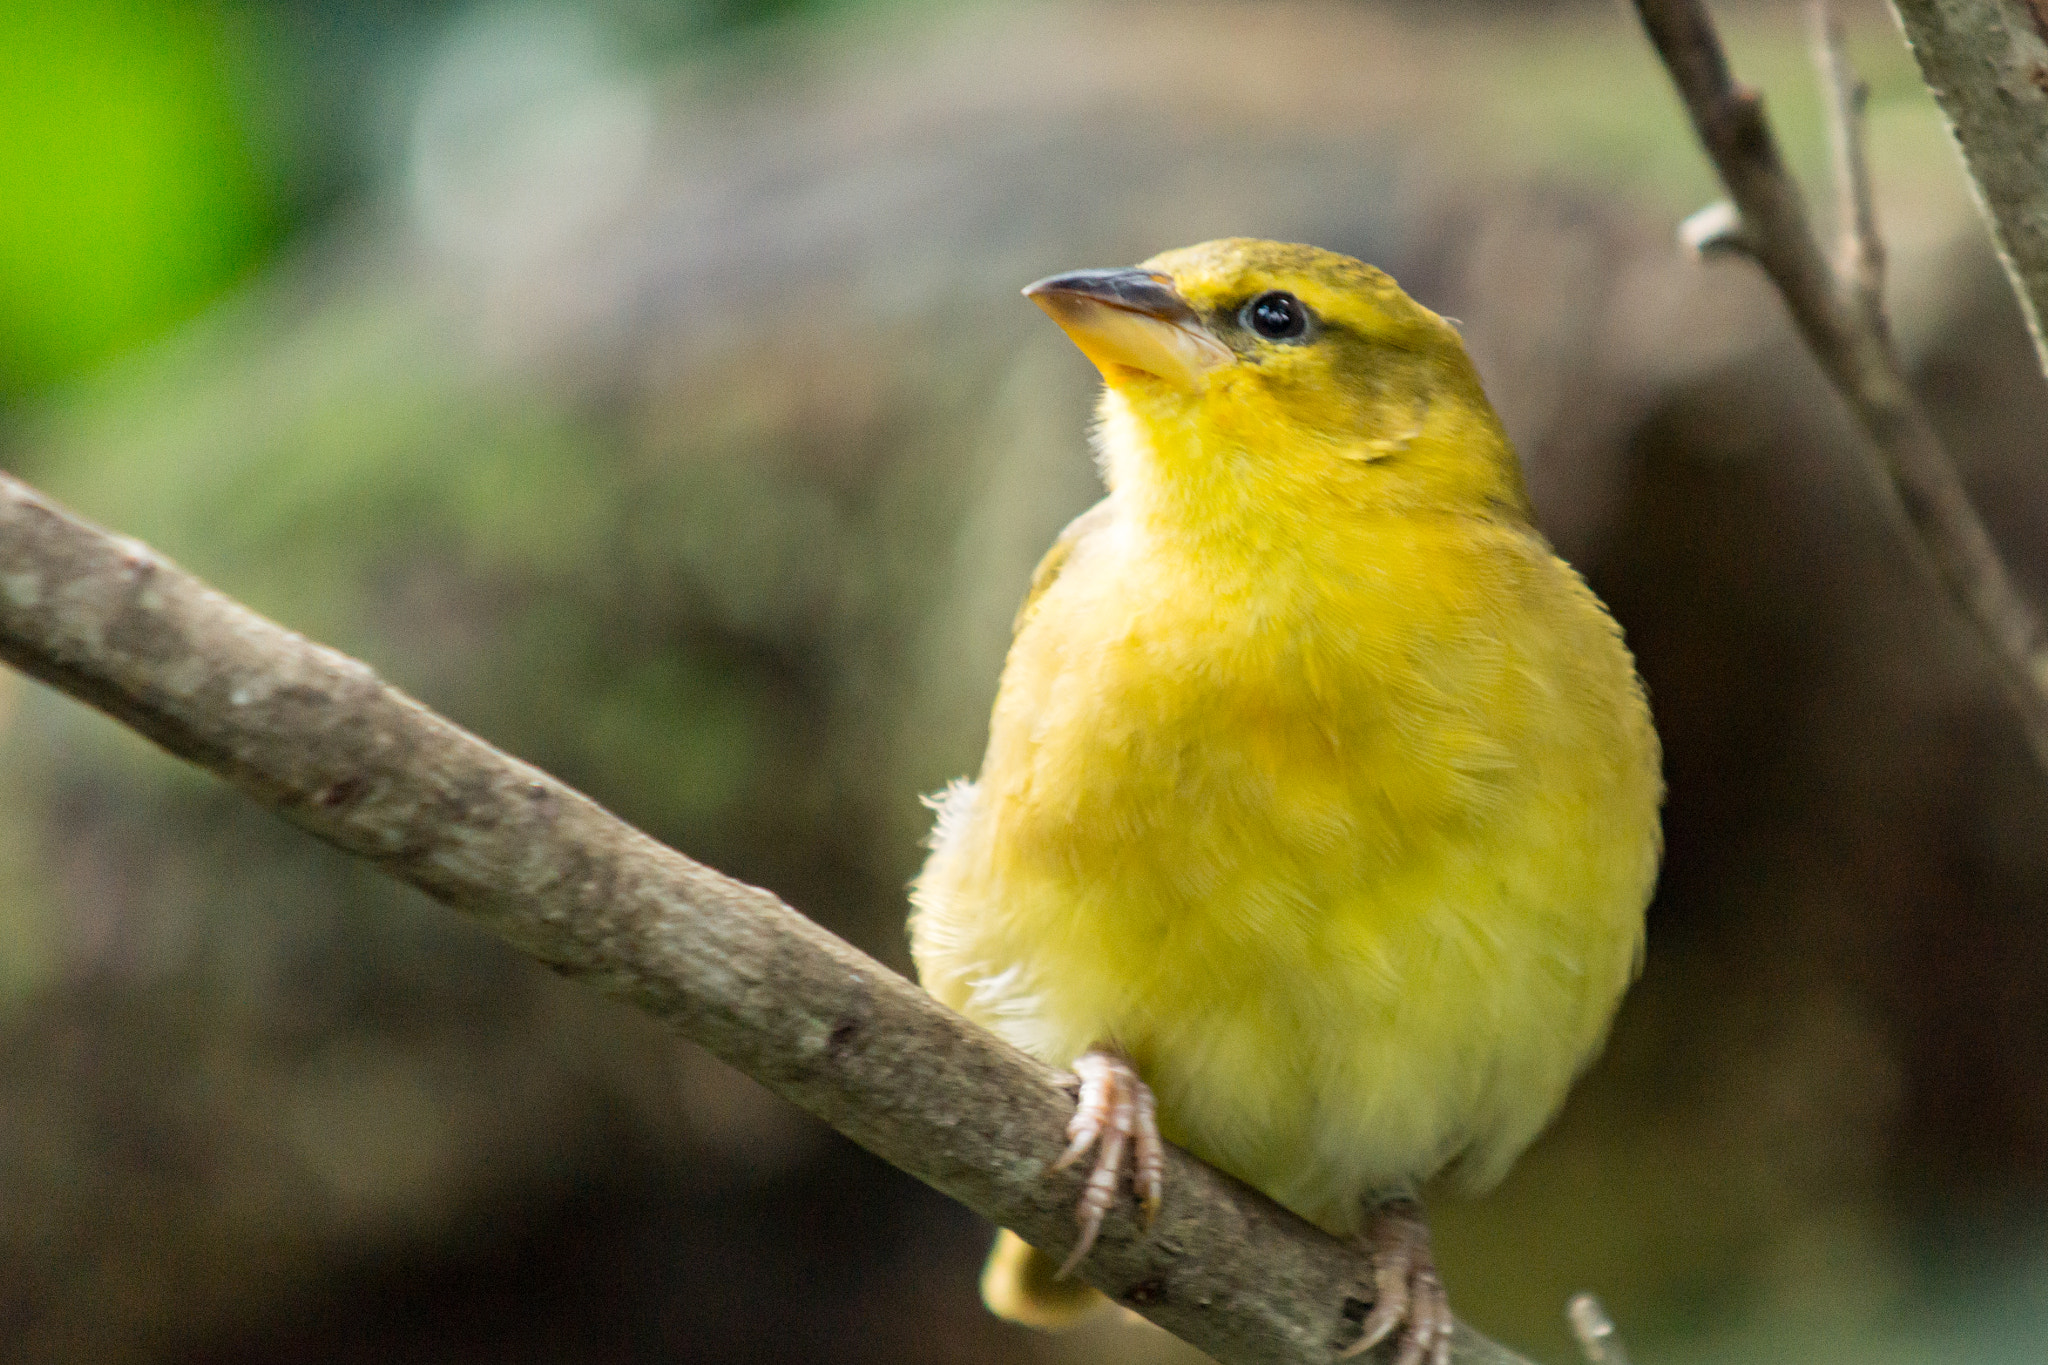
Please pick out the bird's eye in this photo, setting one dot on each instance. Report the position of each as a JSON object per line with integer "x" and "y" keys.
{"x": 1277, "y": 316}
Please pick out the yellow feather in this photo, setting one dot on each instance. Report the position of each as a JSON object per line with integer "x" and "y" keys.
{"x": 1316, "y": 783}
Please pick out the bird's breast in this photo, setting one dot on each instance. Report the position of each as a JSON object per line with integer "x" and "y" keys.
{"x": 1352, "y": 864}
{"x": 1283, "y": 729}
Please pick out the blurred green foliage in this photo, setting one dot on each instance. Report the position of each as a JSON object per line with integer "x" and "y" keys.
{"x": 153, "y": 153}
{"x": 130, "y": 184}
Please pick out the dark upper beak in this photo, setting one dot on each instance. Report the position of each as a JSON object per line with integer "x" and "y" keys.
{"x": 1131, "y": 289}
{"x": 1131, "y": 318}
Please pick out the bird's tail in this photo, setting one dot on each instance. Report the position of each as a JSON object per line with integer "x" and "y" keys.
{"x": 1021, "y": 1283}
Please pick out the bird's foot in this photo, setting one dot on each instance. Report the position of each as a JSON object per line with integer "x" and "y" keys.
{"x": 1406, "y": 1294}
{"x": 1115, "y": 1110}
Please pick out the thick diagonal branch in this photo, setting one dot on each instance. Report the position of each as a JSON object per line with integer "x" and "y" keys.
{"x": 317, "y": 736}
{"x": 1839, "y": 317}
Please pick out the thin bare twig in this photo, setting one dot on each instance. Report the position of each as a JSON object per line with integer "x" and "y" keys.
{"x": 1839, "y": 313}
{"x": 1859, "y": 262}
{"x": 321, "y": 739}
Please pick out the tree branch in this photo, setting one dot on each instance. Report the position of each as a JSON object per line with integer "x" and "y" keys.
{"x": 1839, "y": 313}
{"x": 316, "y": 735}
{"x": 1987, "y": 63}
{"x": 1859, "y": 260}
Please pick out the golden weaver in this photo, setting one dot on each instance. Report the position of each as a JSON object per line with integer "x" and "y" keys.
{"x": 1320, "y": 800}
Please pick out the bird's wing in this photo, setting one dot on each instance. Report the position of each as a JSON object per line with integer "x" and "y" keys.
{"x": 1078, "y": 532}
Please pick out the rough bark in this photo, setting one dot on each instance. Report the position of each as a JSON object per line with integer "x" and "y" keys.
{"x": 1987, "y": 63}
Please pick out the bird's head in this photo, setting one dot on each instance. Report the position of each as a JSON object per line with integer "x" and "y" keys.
{"x": 1252, "y": 377}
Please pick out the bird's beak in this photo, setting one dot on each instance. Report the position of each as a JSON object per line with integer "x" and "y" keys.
{"x": 1131, "y": 318}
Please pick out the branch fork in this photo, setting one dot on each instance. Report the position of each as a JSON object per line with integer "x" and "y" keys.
{"x": 1838, "y": 308}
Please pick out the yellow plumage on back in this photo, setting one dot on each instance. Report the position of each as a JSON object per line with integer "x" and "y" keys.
{"x": 1318, "y": 789}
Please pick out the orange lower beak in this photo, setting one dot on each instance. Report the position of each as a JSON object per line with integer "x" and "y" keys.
{"x": 1131, "y": 320}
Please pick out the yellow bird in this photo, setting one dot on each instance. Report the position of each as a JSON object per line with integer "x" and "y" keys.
{"x": 1320, "y": 806}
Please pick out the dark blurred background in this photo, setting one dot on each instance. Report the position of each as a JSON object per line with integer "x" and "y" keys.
{"x": 645, "y": 385}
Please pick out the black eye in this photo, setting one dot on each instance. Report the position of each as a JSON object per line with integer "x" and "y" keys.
{"x": 1277, "y": 316}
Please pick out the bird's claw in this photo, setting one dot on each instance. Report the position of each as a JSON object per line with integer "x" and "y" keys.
{"x": 1407, "y": 1294}
{"x": 1115, "y": 1109}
